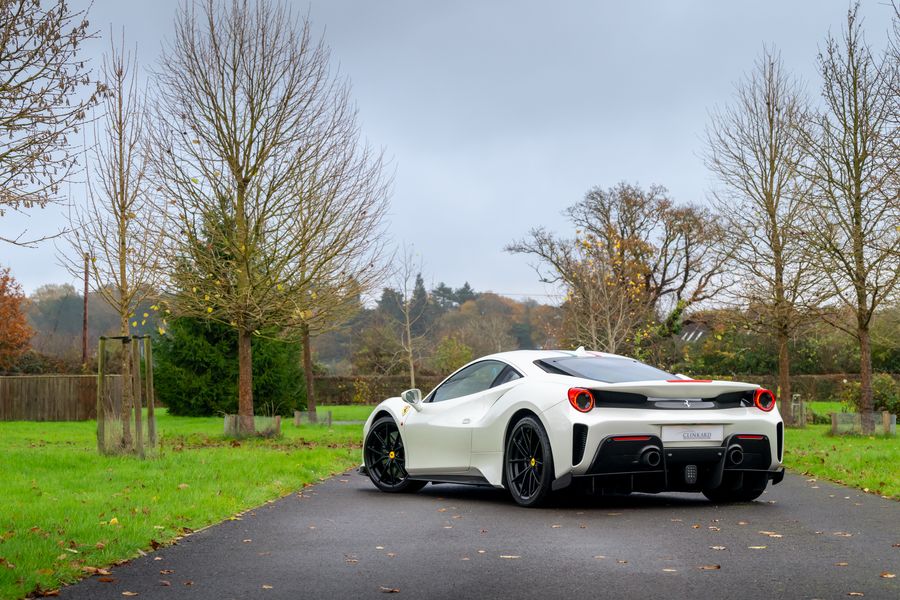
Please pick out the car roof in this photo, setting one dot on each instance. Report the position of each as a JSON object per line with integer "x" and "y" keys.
{"x": 523, "y": 360}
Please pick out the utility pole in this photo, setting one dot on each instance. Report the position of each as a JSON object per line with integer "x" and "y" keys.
{"x": 84, "y": 321}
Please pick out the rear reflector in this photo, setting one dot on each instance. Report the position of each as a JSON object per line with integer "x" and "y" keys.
{"x": 750, "y": 437}
{"x": 631, "y": 438}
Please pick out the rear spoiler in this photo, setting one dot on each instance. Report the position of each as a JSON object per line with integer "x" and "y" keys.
{"x": 675, "y": 388}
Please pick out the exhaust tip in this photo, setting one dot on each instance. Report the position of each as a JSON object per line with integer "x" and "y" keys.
{"x": 651, "y": 457}
{"x": 736, "y": 455}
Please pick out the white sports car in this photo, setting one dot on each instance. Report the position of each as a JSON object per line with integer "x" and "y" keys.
{"x": 536, "y": 421}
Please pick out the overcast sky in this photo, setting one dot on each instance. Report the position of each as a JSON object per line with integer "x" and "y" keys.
{"x": 499, "y": 115}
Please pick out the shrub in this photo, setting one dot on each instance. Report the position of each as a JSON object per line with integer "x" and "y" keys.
{"x": 196, "y": 371}
{"x": 885, "y": 394}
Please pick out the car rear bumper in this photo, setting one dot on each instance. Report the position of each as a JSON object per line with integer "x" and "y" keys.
{"x": 624, "y": 448}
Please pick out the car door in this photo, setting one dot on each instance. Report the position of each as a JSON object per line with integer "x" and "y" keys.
{"x": 438, "y": 438}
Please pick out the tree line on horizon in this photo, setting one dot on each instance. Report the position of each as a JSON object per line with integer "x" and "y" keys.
{"x": 239, "y": 194}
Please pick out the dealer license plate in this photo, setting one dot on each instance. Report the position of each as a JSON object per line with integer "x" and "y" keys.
{"x": 693, "y": 433}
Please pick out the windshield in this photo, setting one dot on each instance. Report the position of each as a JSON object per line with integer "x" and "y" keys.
{"x": 606, "y": 369}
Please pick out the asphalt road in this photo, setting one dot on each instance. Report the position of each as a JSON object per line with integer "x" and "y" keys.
{"x": 343, "y": 539}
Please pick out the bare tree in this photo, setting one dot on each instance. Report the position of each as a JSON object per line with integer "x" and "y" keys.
{"x": 754, "y": 149}
{"x": 854, "y": 221}
{"x": 343, "y": 198}
{"x": 41, "y": 104}
{"x": 637, "y": 262}
{"x": 407, "y": 307}
{"x": 250, "y": 123}
{"x": 113, "y": 229}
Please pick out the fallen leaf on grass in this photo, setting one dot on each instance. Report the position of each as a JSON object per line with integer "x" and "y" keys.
{"x": 710, "y": 567}
{"x": 389, "y": 590}
{"x": 95, "y": 571}
{"x": 183, "y": 486}
{"x": 886, "y": 575}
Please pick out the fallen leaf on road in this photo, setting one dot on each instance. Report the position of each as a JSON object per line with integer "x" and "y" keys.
{"x": 855, "y": 594}
{"x": 106, "y": 579}
{"x": 695, "y": 526}
{"x": 887, "y": 575}
{"x": 391, "y": 555}
{"x": 676, "y": 520}
{"x": 129, "y": 593}
{"x": 841, "y": 564}
{"x": 613, "y": 514}
{"x": 599, "y": 557}
{"x": 464, "y": 558}
{"x": 582, "y": 526}
{"x": 670, "y": 570}
{"x": 556, "y": 526}
{"x": 757, "y": 547}
{"x": 247, "y": 541}
{"x": 843, "y": 534}
{"x": 775, "y": 535}
{"x": 165, "y": 582}
{"x": 710, "y": 567}
{"x": 266, "y": 586}
{"x": 166, "y": 571}
{"x": 766, "y": 532}
{"x": 442, "y": 510}
{"x": 622, "y": 562}
{"x": 714, "y": 528}
{"x": 717, "y": 547}
{"x": 482, "y": 551}
{"x": 510, "y": 556}
{"x": 389, "y": 590}
{"x": 379, "y": 547}
{"x": 743, "y": 523}
{"x": 157, "y": 558}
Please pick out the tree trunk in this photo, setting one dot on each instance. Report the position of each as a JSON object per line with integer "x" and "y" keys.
{"x": 784, "y": 380}
{"x": 409, "y": 349}
{"x": 245, "y": 382}
{"x": 308, "y": 375}
{"x": 865, "y": 380}
{"x": 84, "y": 319}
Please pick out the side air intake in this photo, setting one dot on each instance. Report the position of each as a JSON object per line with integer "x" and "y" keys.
{"x": 579, "y": 442}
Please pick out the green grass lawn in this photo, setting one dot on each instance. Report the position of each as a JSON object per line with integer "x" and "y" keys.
{"x": 354, "y": 412}
{"x": 826, "y": 408}
{"x": 858, "y": 461}
{"x": 63, "y": 507}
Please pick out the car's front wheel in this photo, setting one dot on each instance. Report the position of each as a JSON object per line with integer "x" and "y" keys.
{"x": 740, "y": 487}
{"x": 528, "y": 468}
{"x": 385, "y": 458}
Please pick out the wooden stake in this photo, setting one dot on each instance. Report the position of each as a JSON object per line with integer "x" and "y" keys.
{"x": 101, "y": 380}
{"x": 151, "y": 401}
{"x": 138, "y": 408}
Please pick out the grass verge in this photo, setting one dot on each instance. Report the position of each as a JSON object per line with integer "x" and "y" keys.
{"x": 64, "y": 507}
{"x": 869, "y": 463}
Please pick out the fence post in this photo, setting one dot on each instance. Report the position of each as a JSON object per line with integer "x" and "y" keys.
{"x": 886, "y": 422}
{"x": 834, "y": 423}
{"x": 138, "y": 404}
{"x": 329, "y": 418}
{"x": 101, "y": 417}
{"x": 297, "y": 418}
{"x": 151, "y": 415}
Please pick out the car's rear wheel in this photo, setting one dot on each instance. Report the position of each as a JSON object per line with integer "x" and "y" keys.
{"x": 385, "y": 458}
{"x": 528, "y": 463}
{"x": 739, "y": 487}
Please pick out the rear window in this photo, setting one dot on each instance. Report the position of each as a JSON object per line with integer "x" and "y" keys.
{"x": 608, "y": 370}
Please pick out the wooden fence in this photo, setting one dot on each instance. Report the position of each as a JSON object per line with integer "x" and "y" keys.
{"x": 54, "y": 397}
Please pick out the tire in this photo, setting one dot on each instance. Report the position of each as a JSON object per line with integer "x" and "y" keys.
{"x": 528, "y": 463}
{"x": 385, "y": 458}
{"x": 746, "y": 487}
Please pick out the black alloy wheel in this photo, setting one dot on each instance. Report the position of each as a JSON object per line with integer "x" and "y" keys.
{"x": 385, "y": 458}
{"x": 528, "y": 465}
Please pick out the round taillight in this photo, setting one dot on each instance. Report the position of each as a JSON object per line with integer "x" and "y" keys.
{"x": 581, "y": 399}
{"x": 764, "y": 399}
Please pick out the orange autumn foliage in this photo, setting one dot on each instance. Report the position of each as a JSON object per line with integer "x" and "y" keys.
{"x": 14, "y": 330}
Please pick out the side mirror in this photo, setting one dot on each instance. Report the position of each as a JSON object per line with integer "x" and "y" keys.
{"x": 413, "y": 397}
